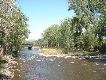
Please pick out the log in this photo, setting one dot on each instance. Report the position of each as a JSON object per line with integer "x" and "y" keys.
{"x": 1, "y": 52}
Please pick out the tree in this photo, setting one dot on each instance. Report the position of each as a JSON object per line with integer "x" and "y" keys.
{"x": 51, "y": 35}
{"x": 85, "y": 31}
{"x": 13, "y": 26}
{"x": 93, "y": 12}
{"x": 66, "y": 31}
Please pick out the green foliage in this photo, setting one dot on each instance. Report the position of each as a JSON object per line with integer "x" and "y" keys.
{"x": 69, "y": 35}
{"x": 92, "y": 12}
{"x": 13, "y": 27}
{"x": 50, "y": 35}
{"x": 86, "y": 31}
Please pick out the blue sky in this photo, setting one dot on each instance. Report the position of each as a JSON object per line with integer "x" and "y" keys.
{"x": 43, "y": 13}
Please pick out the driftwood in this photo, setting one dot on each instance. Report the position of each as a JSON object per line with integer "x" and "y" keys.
{"x": 1, "y": 52}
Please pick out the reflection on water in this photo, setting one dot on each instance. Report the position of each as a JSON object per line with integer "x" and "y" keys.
{"x": 31, "y": 66}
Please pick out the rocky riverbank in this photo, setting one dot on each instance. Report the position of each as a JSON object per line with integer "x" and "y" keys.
{"x": 5, "y": 72}
{"x": 48, "y": 52}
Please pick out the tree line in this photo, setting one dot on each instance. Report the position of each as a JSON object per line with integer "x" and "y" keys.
{"x": 13, "y": 26}
{"x": 85, "y": 31}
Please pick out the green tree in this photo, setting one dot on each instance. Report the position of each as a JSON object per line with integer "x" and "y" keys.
{"x": 50, "y": 35}
{"x": 93, "y": 12}
{"x": 13, "y": 26}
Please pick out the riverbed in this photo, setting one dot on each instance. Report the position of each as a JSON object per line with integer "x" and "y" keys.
{"x": 33, "y": 66}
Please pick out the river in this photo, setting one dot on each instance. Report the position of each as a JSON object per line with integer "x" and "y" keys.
{"x": 31, "y": 66}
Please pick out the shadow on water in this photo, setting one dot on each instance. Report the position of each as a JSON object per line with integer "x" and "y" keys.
{"x": 32, "y": 66}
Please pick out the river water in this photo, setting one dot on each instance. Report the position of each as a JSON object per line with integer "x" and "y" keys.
{"x": 31, "y": 66}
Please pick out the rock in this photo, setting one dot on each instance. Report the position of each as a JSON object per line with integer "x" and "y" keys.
{"x": 6, "y": 74}
{"x": 2, "y": 77}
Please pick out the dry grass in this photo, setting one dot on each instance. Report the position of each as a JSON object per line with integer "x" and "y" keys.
{"x": 51, "y": 51}
{"x": 59, "y": 53}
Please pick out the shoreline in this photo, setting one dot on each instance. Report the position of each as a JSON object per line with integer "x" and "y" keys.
{"x": 70, "y": 56}
{"x": 45, "y": 52}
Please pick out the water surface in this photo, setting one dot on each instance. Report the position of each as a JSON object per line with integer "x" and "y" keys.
{"x": 31, "y": 66}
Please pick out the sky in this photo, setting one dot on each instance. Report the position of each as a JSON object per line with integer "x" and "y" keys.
{"x": 43, "y": 13}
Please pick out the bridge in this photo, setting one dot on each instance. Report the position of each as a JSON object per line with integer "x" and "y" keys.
{"x": 29, "y": 46}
